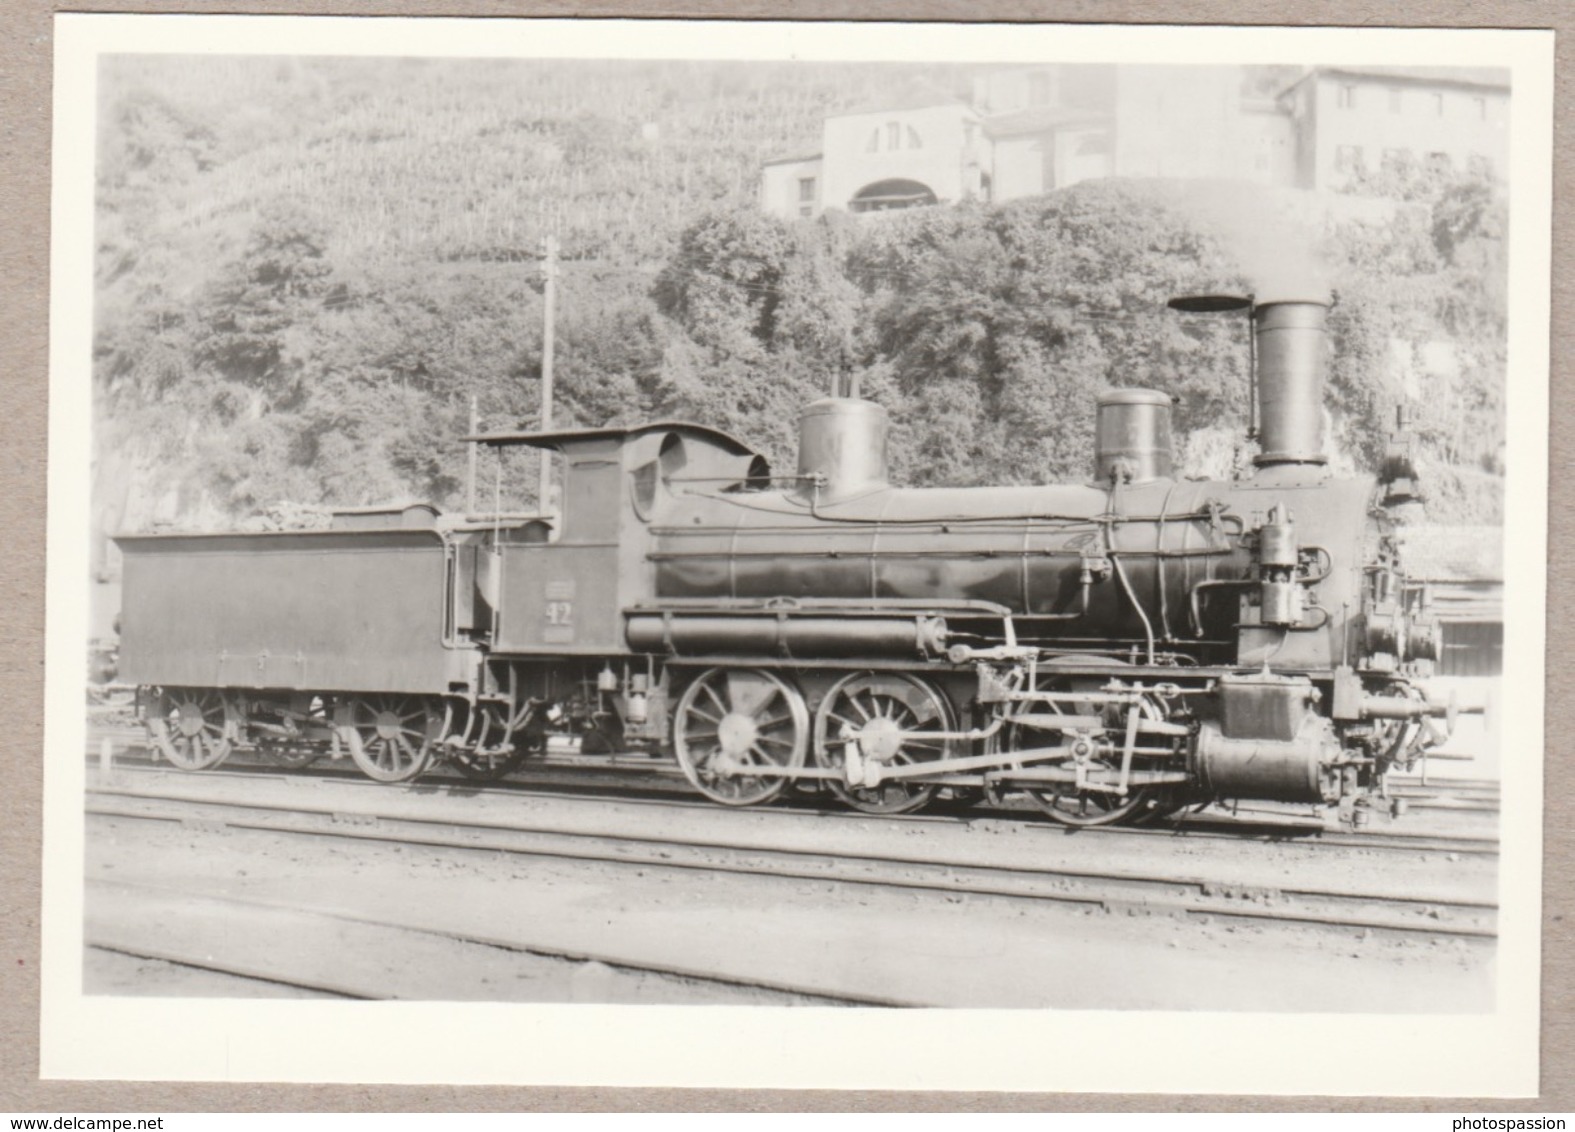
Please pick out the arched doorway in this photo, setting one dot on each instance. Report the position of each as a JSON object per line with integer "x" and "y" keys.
{"x": 884, "y": 195}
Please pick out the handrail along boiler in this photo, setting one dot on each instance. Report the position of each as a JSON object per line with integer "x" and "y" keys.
{"x": 1115, "y": 649}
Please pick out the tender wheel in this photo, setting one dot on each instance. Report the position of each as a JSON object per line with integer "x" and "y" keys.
{"x": 497, "y": 750}
{"x": 391, "y": 737}
{"x": 874, "y": 709}
{"x": 194, "y": 728}
{"x": 736, "y": 719}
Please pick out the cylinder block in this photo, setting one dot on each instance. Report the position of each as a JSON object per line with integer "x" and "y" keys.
{"x": 1292, "y": 770}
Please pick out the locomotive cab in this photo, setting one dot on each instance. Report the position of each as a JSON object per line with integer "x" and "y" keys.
{"x": 567, "y": 596}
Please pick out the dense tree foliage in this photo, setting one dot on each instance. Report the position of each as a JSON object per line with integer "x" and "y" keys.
{"x": 303, "y": 315}
{"x": 1003, "y": 325}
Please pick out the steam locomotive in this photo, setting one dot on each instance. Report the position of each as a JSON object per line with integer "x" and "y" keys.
{"x": 1114, "y": 650}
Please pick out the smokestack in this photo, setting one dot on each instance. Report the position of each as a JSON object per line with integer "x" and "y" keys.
{"x": 1291, "y": 352}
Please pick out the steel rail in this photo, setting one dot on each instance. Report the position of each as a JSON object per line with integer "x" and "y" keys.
{"x": 1206, "y": 827}
{"x": 616, "y": 960}
{"x": 1193, "y": 896}
{"x": 238, "y": 970}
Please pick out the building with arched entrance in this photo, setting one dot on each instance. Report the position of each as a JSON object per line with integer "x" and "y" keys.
{"x": 921, "y": 147}
{"x": 1028, "y": 130}
{"x": 893, "y": 193}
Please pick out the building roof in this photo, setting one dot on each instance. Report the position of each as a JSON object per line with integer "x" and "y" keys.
{"x": 792, "y": 159}
{"x": 1038, "y": 119}
{"x": 918, "y": 95}
{"x": 1486, "y": 78}
{"x": 1435, "y": 553}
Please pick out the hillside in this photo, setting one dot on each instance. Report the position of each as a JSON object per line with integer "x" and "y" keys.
{"x": 307, "y": 268}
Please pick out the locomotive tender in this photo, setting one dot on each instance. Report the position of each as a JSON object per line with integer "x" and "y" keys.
{"x": 1115, "y": 649}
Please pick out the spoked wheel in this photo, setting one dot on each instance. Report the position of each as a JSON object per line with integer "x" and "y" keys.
{"x": 733, "y": 721}
{"x": 1065, "y": 802}
{"x": 1071, "y": 806}
{"x": 194, "y": 728}
{"x": 497, "y": 749}
{"x": 879, "y": 711}
{"x": 391, "y": 737}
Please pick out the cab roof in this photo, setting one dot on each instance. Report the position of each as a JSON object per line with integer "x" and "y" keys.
{"x": 560, "y": 438}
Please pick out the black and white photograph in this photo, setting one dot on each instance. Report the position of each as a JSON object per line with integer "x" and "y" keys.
{"x": 624, "y": 552}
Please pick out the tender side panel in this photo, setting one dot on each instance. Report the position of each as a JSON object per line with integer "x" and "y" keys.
{"x": 318, "y": 611}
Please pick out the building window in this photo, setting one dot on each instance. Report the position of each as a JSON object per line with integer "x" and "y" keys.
{"x": 1394, "y": 100}
{"x": 1438, "y": 106}
{"x": 893, "y": 135}
{"x": 1481, "y": 109}
{"x": 1349, "y": 159}
{"x": 914, "y": 141}
{"x": 874, "y": 143}
{"x": 1397, "y": 160}
{"x": 806, "y": 190}
{"x": 1345, "y": 97}
{"x": 806, "y": 210}
{"x": 1472, "y": 648}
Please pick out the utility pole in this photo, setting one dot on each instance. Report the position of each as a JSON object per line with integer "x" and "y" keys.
{"x": 549, "y": 272}
{"x": 470, "y": 478}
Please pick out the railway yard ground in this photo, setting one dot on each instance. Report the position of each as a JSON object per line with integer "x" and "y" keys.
{"x": 572, "y": 884}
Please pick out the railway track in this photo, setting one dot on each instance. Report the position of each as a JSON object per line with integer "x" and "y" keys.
{"x": 661, "y": 783}
{"x": 377, "y": 814}
{"x": 206, "y": 963}
{"x": 415, "y": 961}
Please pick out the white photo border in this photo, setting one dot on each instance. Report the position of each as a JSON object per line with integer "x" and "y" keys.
{"x": 1070, "y": 1051}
